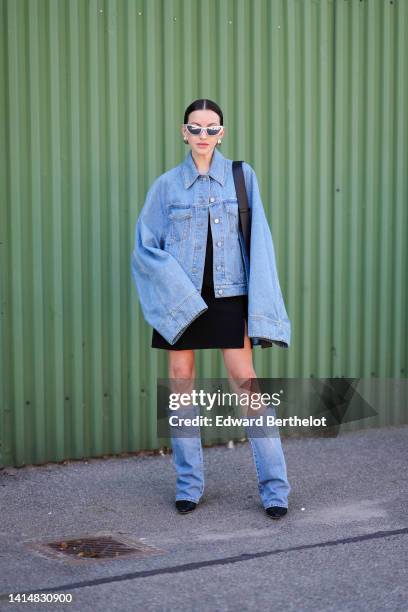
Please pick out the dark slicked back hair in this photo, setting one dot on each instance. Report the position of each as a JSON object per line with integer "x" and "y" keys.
{"x": 203, "y": 104}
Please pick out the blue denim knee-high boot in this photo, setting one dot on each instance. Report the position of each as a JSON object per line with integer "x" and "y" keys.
{"x": 273, "y": 484}
{"x": 188, "y": 456}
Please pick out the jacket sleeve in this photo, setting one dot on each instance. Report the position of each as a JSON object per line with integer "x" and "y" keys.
{"x": 267, "y": 316}
{"x": 169, "y": 300}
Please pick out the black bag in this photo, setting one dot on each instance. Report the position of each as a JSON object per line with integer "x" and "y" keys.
{"x": 244, "y": 210}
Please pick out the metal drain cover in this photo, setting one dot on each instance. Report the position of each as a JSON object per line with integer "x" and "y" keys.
{"x": 97, "y": 547}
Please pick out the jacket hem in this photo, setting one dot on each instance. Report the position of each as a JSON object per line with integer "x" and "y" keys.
{"x": 230, "y": 290}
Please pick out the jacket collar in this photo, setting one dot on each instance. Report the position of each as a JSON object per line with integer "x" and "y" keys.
{"x": 217, "y": 171}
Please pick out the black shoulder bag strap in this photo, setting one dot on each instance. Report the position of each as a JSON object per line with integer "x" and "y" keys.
{"x": 244, "y": 210}
{"x": 245, "y": 216}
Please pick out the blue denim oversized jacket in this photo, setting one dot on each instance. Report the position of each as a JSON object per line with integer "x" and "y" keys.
{"x": 168, "y": 258}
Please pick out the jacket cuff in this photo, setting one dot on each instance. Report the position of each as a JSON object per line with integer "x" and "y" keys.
{"x": 188, "y": 310}
{"x": 277, "y": 332}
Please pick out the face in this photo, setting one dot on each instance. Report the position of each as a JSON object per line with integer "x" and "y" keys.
{"x": 203, "y": 144}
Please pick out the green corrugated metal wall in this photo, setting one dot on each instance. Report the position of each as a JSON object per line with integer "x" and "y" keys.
{"x": 315, "y": 97}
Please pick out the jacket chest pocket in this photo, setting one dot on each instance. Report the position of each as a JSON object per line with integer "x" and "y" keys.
{"x": 232, "y": 210}
{"x": 180, "y": 218}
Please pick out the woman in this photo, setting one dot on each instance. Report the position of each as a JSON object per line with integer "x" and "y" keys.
{"x": 199, "y": 289}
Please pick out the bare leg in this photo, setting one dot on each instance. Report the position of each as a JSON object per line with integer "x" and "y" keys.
{"x": 267, "y": 451}
{"x": 186, "y": 442}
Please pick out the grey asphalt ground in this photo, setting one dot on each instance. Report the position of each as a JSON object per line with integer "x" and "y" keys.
{"x": 343, "y": 546}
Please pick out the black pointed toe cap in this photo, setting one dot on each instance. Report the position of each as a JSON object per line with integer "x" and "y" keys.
{"x": 185, "y": 505}
{"x": 276, "y": 511}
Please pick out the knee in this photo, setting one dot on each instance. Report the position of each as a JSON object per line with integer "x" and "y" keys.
{"x": 182, "y": 370}
{"x": 242, "y": 373}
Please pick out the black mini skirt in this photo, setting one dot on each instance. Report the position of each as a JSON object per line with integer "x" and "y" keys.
{"x": 222, "y": 325}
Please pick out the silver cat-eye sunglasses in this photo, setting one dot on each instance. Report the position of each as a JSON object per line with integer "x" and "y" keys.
{"x": 211, "y": 130}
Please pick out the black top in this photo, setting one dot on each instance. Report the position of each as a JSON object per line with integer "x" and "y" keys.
{"x": 208, "y": 280}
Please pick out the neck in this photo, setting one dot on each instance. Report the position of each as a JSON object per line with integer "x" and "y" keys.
{"x": 202, "y": 162}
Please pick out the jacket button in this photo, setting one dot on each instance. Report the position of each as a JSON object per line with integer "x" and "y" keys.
{"x": 212, "y": 199}
{"x": 218, "y": 267}
{"x": 216, "y": 220}
{"x": 219, "y": 243}
{"x": 220, "y": 291}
